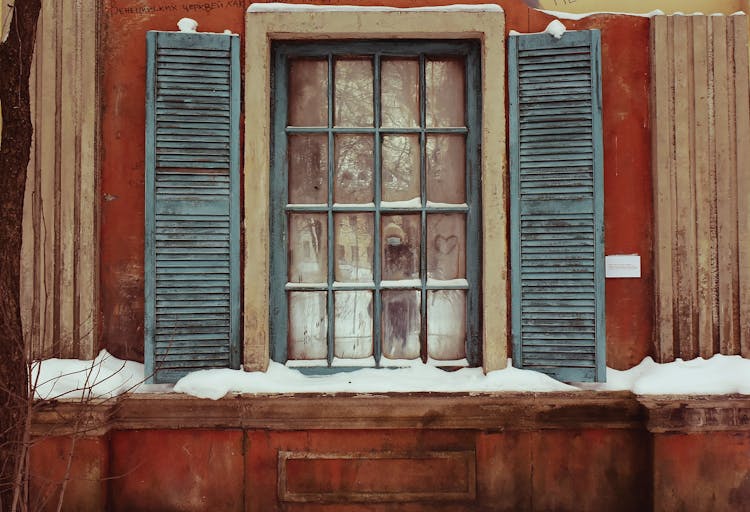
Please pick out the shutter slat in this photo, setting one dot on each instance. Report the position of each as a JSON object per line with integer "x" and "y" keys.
{"x": 192, "y": 195}
{"x": 556, "y": 205}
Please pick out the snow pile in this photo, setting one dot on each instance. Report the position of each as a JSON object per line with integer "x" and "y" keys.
{"x": 719, "y": 375}
{"x": 107, "y": 376}
{"x": 572, "y": 16}
{"x": 282, "y": 7}
{"x": 278, "y": 378}
{"x": 188, "y": 25}
{"x": 104, "y": 377}
{"x": 555, "y": 28}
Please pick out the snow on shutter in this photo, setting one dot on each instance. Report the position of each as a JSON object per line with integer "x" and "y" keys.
{"x": 557, "y": 230}
{"x": 192, "y": 204}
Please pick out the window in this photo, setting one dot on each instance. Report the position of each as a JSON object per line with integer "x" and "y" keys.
{"x": 375, "y": 202}
{"x": 267, "y": 26}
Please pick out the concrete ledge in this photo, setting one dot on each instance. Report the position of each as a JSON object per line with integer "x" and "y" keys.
{"x": 487, "y": 412}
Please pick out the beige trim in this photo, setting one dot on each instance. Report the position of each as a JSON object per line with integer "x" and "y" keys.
{"x": 264, "y": 27}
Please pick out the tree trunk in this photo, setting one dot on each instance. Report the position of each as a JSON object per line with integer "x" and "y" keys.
{"x": 15, "y": 145}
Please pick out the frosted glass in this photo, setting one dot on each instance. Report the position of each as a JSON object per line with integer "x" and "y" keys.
{"x": 400, "y": 246}
{"x": 308, "y": 169}
{"x": 354, "y": 242}
{"x": 401, "y": 324}
{"x": 400, "y": 164}
{"x": 446, "y": 324}
{"x": 308, "y": 92}
{"x": 353, "y": 167}
{"x": 446, "y": 169}
{"x": 308, "y": 253}
{"x": 445, "y": 92}
{"x": 353, "y": 92}
{"x": 446, "y": 246}
{"x": 308, "y": 326}
{"x": 399, "y": 90}
{"x": 353, "y": 324}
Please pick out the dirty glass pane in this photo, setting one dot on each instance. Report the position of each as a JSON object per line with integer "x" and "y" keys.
{"x": 446, "y": 324}
{"x": 446, "y": 246}
{"x": 353, "y": 94}
{"x": 354, "y": 243}
{"x": 308, "y": 326}
{"x": 353, "y": 169}
{"x": 399, "y": 90}
{"x": 308, "y": 260}
{"x": 308, "y": 92}
{"x": 400, "y": 163}
{"x": 400, "y": 244}
{"x": 446, "y": 169}
{"x": 353, "y": 324}
{"x": 401, "y": 324}
{"x": 445, "y": 83}
{"x": 308, "y": 169}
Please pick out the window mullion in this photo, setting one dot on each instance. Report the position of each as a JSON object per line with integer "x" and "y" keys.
{"x": 331, "y": 229}
{"x": 423, "y": 197}
{"x": 377, "y": 263}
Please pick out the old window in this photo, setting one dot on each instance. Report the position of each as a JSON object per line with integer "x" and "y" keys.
{"x": 375, "y": 202}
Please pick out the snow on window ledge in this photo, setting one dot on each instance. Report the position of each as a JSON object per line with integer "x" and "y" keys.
{"x": 107, "y": 376}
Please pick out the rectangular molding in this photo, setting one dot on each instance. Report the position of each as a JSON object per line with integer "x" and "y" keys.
{"x": 59, "y": 267}
{"x": 701, "y": 146}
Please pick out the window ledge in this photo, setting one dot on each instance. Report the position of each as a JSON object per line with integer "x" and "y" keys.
{"x": 458, "y": 411}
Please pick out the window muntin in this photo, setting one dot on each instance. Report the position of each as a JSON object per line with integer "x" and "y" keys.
{"x": 375, "y": 203}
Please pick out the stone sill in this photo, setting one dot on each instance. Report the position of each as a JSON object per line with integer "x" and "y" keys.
{"x": 494, "y": 412}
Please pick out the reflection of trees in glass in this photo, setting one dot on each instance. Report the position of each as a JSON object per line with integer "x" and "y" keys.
{"x": 308, "y": 85}
{"x": 353, "y": 92}
{"x": 308, "y": 249}
{"x": 308, "y": 325}
{"x": 399, "y": 91}
{"x": 353, "y": 331}
{"x": 308, "y": 164}
{"x": 354, "y": 168}
{"x": 445, "y": 92}
{"x": 400, "y": 167}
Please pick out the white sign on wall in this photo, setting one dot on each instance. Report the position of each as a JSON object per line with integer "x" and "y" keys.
{"x": 623, "y": 265}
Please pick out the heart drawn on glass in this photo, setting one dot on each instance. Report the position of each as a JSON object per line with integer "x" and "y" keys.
{"x": 446, "y": 244}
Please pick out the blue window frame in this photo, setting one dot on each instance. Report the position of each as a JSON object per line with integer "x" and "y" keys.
{"x": 375, "y": 204}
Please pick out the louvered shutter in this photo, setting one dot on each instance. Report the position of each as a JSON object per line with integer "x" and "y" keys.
{"x": 557, "y": 230}
{"x": 192, "y": 204}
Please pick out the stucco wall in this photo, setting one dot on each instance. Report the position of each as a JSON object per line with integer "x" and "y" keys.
{"x": 628, "y": 211}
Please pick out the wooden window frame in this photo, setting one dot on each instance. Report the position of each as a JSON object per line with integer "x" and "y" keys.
{"x": 263, "y": 27}
{"x": 377, "y": 50}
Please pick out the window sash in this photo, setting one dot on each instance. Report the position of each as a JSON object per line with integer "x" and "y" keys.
{"x": 280, "y": 209}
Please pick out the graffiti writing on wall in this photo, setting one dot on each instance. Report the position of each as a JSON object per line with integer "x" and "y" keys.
{"x": 176, "y": 7}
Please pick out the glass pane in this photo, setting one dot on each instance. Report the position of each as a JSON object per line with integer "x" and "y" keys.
{"x": 446, "y": 324}
{"x": 353, "y": 92}
{"x": 308, "y": 169}
{"x": 401, "y": 324}
{"x": 399, "y": 89}
{"x": 353, "y": 169}
{"x": 308, "y": 92}
{"x": 446, "y": 169}
{"x": 445, "y": 92}
{"x": 446, "y": 246}
{"x": 308, "y": 255}
{"x": 354, "y": 247}
{"x": 308, "y": 326}
{"x": 400, "y": 161}
{"x": 400, "y": 243}
{"x": 353, "y": 324}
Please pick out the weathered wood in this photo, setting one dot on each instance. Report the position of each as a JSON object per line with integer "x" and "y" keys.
{"x": 742, "y": 125}
{"x": 700, "y": 118}
{"x": 663, "y": 171}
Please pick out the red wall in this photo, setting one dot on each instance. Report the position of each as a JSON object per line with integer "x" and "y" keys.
{"x": 628, "y": 206}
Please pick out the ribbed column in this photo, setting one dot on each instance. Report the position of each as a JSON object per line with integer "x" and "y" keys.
{"x": 59, "y": 269}
{"x": 701, "y": 169}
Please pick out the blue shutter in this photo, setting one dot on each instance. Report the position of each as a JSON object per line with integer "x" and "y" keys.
{"x": 192, "y": 204}
{"x": 557, "y": 197}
